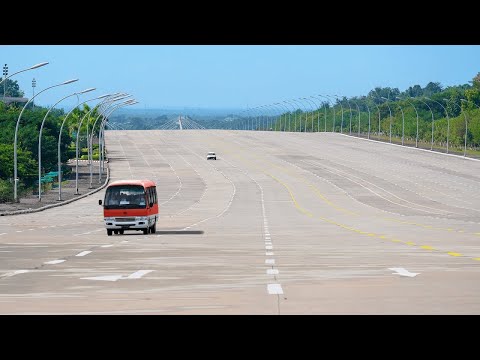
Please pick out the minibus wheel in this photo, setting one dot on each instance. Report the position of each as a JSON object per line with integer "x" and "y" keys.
{"x": 109, "y": 232}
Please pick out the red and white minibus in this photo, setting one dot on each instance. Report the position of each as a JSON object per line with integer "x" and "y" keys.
{"x": 130, "y": 205}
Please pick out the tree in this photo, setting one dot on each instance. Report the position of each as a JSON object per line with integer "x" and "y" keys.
{"x": 432, "y": 88}
{"x": 12, "y": 88}
{"x": 476, "y": 81}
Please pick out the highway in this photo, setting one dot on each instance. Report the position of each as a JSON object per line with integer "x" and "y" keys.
{"x": 280, "y": 223}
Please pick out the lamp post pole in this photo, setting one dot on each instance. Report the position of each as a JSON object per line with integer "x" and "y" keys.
{"x": 348, "y": 102}
{"x": 391, "y": 119}
{"x": 358, "y": 110}
{"x": 433, "y": 120}
{"x": 466, "y": 126}
{"x": 416, "y": 112}
{"x": 60, "y": 141}
{"x": 40, "y": 138}
{"x": 318, "y": 106}
{"x": 403, "y": 123}
{"x": 5, "y": 71}
{"x": 333, "y": 108}
{"x": 448, "y": 119}
{"x": 15, "y": 178}
{"x": 290, "y": 116}
{"x": 341, "y": 107}
{"x": 325, "y": 108}
{"x": 314, "y": 105}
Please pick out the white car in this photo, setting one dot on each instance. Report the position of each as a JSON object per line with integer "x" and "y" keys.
{"x": 211, "y": 156}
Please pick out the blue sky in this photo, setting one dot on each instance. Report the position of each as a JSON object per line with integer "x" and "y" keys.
{"x": 235, "y": 76}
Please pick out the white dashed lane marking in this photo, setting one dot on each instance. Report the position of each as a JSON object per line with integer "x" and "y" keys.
{"x": 53, "y": 262}
{"x": 274, "y": 289}
{"x": 272, "y": 271}
{"x": 270, "y": 261}
{"x": 83, "y": 253}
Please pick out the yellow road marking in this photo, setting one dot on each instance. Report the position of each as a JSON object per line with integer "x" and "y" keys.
{"x": 427, "y": 247}
{"x": 451, "y": 253}
{"x": 410, "y": 243}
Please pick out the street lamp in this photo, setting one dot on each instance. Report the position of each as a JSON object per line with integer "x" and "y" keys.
{"x": 40, "y": 138}
{"x": 416, "y": 112}
{"x": 60, "y": 141}
{"x": 15, "y": 179}
{"x": 358, "y": 110}
{"x": 403, "y": 122}
{"x": 290, "y": 116}
{"x": 466, "y": 126}
{"x": 107, "y": 99}
{"x": 341, "y": 107}
{"x": 390, "y": 110}
{"x": 325, "y": 108}
{"x": 368, "y": 109}
{"x": 333, "y": 108}
{"x": 348, "y": 102}
{"x": 5, "y": 72}
{"x": 448, "y": 119}
{"x": 318, "y": 106}
{"x": 295, "y": 108}
{"x": 433, "y": 120}
{"x": 101, "y": 144}
{"x": 314, "y": 105}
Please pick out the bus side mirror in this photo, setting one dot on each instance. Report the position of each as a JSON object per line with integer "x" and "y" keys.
{"x": 151, "y": 204}
{"x": 99, "y": 202}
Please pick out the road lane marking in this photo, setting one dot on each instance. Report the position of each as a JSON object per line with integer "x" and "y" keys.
{"x": 12, "y": 273}
{"x": 3, "y": 234}
{"x": 403, "y": 272}
{"x": 274, "y": 289}
{"x": 109, "y": 245}
{"x": 451, "y": 253}
{"x": 410, "y": 243}
{"x": 272, "y": 271}
{"x": 269, "y": 247}
{"x": 270, "y": 261}
{"x": 83, "y": 253}
{"x": 53, "y": 262}
{"x": 138, "y": 274}
{"x": 269, "y": 253}
{"x": 427, "y": 247}
{"x": 104, "y": 278}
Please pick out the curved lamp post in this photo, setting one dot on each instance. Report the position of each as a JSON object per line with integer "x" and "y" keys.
{"x": 290, "y": 115}
{"x": 325, "y": 108}
{"x": 318, "y": 106}
{"x": 341, "y": 107}
{"x": 15, "y": 179}
{"x": 403, "y": 122}
{"x": 78, "y": 134}
{"x": 368, "y": 109}
{"x": 466, "y": 126}
{"x": 358, "y": 110}
{"x": 378, "y": 109}
{"x": 295, "y": 108}
{"x": 414, "y": 108}
{"x": 433, "y": 120}
{"x": 448, "y": 119}
{"x": 40, "y": 138}
{"x": 101, "y": 136}
{"x": 90, "y": 143}
{"x": 18, "y": 72}
{"x": 314, "y": 105}
{"x": 348, "y": 102}
{"x": 333, "y": 108}
{"x": 60, "y": 141}
{"x": 391, "y": 119}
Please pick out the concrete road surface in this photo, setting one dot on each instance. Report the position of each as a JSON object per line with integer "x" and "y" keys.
{"x": 280, "y": 223}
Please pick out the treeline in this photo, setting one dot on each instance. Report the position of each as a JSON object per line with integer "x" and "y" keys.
{"x": 452, "y": 111}
{"x": 27, "y": 144}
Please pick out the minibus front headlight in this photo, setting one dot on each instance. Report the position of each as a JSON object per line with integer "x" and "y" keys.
{"x": 109, "y": 219}
{"x": 141, "y": 218}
